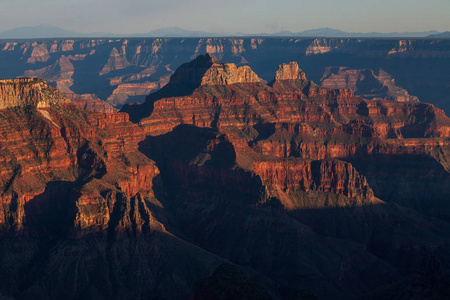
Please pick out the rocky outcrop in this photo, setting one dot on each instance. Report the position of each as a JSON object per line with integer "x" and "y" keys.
{"x": 205, "y": 70}
{"x": 38, "y": 54}
{"x": 116, "y": 61}
{"x": 29, "y": 91}
{"x": 221, "y": 187}
{"x": 88, "y": 161}
{"x": 125, "y": 92}
{"x": 289, "y": 71}
{"x": 366, "y": 84}
{"x": 91, "y": 103}
{"x": 240, "y": 106}
{"x": 324, "y": 176}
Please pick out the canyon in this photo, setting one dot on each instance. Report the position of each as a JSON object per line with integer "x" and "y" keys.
{"x": 222, "y": 182}
{"x": 124, "y": 70}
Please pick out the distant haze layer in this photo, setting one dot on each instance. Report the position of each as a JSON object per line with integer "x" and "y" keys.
{"x": 49, "y": 31}
{"x": 228, "y": 16}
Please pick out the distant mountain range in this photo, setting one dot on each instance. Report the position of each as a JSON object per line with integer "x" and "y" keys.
{"x": 330, "y": 32}
{"x": 445, "y": 34}
{"x": 49, "y": 31}
{"x": 46, "y": 31}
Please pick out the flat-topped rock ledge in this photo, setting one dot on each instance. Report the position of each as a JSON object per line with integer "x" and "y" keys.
{"x": 29, "y": 91}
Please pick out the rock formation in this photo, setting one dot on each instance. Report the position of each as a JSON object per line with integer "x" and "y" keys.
{"x": 91, "y": 103}
{"x": 293, "y": 117}
{"x": 205, "y": 70}
{"x": 44, "y": 133}
{"x": 366, "y": 84}
{"x": 292, "y": 188}
{"x": 28, "y": 91}
{"x": 289, "y": 71}
{"x": 121, "y": 71}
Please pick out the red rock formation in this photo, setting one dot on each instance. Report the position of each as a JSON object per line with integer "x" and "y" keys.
{"x": 49, "y": 139}
{"x": 289, "y": 100}
{"x": 92, "y": 60}
{"x": 117, "y": 61}
{"x": 28, "y": 91}
{"x": 91, "y": 103}
{"x": 289, "y": 71}
{"x": 38, "y": 54}
{"x": 124, "y": 91}
{"x": 366, "y": 84}
{"x": 327, "y": 176}
{"x": 205, "y": 70}
{"x": 293, "y": 117}
{"x": 241, "y": 172}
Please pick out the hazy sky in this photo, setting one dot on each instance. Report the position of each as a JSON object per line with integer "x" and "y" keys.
{"x": 228, "y": 16}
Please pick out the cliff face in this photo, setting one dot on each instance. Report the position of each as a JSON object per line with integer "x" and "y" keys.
{"x": 25, "y": 91}
{"x": 109, "y": 67}
{"x": 289, "y": 71}
{"x": 49, "y": 140}
{"x": 91, "y": 103}
{"x": 366, "y": 84}
{"x": 285, "y": 180}
{"x": 293, "y": 117}
{"x": 335, "y": 177}
{"x": 306, "y": 150}
{"x": 205, "y": 70}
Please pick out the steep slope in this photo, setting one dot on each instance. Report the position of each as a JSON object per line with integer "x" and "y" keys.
{"x": 366, "y": 83}
{"x": 91, "y": 103}
{"x": 44, "y": 133}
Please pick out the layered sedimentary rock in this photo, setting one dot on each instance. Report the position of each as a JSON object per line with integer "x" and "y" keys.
{"x": 124, "y": 92}
{"x": 284, "y": 182}
{"x": 76, "y": 190}
{"x": 325, "y": 176}
{"x": 28, "y": 91}
{"x": 205, "y": 70}
{"x": 304, "y": 148}
{"x": 289, "y": 71}
{"x": 293, "y": 117}
{"x": 366, "y": 84}
{"x": 99, "y": 66}
{"x": 91, "y": 103}
{"x": 50, "y": 140}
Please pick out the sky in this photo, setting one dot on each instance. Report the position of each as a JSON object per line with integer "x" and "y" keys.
{"x": 228, "y": 16}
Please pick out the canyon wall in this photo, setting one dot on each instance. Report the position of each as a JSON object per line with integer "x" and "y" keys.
{"x": 302, "y": 189}
{"x": 120, "y": 71}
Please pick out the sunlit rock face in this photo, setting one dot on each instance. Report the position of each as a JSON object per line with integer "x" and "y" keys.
{"x": 28, "y": 91}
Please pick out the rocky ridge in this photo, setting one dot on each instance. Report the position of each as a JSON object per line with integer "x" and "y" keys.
{"x": 293, "y": 117}
{"x": 109, "y": 67}
{"x": 44, "y": 132}
{"x": 289, "y": 71}
{"x": 28, "y": 91}
{"x": 91, "y": 103}
{"x": 366, "y": 84}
